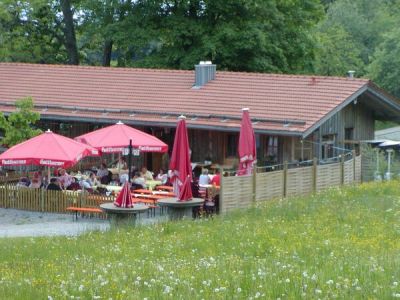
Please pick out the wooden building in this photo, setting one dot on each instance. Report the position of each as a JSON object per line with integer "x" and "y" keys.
{"x": 295, "y": 117}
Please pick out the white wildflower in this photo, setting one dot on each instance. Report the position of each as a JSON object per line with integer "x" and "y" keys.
{"x": 314, "y": 277}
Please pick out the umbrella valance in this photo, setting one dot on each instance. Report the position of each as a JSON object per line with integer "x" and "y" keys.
{"x": 114, "y": 138}
{"x": 47, "y": 149}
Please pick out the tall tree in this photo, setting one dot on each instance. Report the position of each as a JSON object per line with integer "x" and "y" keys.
{"x": 69, "y": 29}
{"x": 385, "y": 67}
{"x": 238, "y": 35}
{"x": 31, "y": 32}
{"x": 337, "y": 53}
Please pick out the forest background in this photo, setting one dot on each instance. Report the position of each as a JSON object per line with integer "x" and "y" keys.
{"x": 324, "y": 37}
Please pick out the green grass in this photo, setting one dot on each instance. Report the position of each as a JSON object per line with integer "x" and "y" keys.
{"x": 342, "y": 243}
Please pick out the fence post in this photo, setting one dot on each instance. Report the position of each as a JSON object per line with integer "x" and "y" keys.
{"x": 285, "y": 173}
{"x": 341, "y": 169}
{"x": 221, "y": 200}
{"x": 353, "y": 154}
{"x": 254, "y": 183}
{"x": 42, "y": 191}
{"x": 314, "y": 172}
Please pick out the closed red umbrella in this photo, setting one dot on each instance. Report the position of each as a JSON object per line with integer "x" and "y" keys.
{"x": 180, "y": 159}
{"x": 47, "y": 149}
{"x": 247, "y": 145}
{"x": 114, "y": 138}
{"x": 186, "y": 190}
{"x": 124, "y": 198}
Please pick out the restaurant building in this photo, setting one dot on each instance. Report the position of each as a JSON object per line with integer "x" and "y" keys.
{"x": 295, "y": 117}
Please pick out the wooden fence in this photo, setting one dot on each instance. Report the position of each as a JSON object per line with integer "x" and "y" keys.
{"x": 242, "y": 191}
{"x": 42, "y": 200}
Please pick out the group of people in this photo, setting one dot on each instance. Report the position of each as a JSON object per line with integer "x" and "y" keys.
{"x": 206, "y": 179}
{"x": 98, "y": 178}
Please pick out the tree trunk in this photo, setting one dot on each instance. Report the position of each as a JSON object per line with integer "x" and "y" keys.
{"x": 69, "y": 31}
{"x": 107, "y": 50}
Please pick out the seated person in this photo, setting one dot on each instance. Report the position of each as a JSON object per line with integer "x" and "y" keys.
{"x": 102, "y": 171}
{"x": 162, "y": 176}
{"x": 195, "y": 189}
{"x": 23, "y": 182}
{"x": 147, "y": 174}
{"x": 36, "y": 182}
{"x": 216, "y": 180}
{"x": 74, "y": 186}
{"x": 121, "y": 164}
{"x": 54, "y": 185}
{"x": 123, "y": 178}
{"x": 90, "y": 182}
{"x": 204, "y": 179}
{"x": 139, "y": 180}
{"x": 114, "y": 180}
{"x": 64, "y": 178}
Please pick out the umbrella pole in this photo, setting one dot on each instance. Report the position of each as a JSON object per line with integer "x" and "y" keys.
{"x": 129, "y": 161}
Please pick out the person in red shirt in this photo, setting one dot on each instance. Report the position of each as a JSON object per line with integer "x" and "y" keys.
{"x": 216, "y": 180}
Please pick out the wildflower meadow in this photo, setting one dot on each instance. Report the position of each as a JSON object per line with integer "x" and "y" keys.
{"x": 342, "y": 243}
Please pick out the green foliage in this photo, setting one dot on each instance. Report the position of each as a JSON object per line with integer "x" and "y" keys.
{"x": 31, "y": 32}
{"x": 379, "y": 125}
{"x": 18, "y": 126}
{"x": 343, "y": 243}
{"x": 337, "y": 52}
{"x": 385, "y": 68}
{"x": 237, "y": 35}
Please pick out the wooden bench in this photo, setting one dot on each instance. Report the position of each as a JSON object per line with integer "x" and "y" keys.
{"x": 83, "y": 210}
{"x": 151, "y": 204}
{"x": 164, "y": 188}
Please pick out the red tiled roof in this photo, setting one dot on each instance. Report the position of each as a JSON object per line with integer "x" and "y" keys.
{"x": 271, "y": 98}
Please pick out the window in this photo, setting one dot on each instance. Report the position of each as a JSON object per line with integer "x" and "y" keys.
{"x": 271, "y": 150}
{"x": 328, "y": 142}
{"x": 232, "y": 144}
{"x": 349, "y": 138}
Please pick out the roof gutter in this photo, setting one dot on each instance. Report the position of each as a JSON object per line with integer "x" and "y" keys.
{"x": 146, "y": 112}
{"x": 166, "y": 124}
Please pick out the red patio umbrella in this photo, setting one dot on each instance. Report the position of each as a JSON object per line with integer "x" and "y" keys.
{"x": 124, "y": 198}
{"x": 47, "y": 149}
{"x": 180, "y": 159}
{"x": 114, "y": 138}
{"x": 247, "y": 145}
{"x": 186, "y": 190}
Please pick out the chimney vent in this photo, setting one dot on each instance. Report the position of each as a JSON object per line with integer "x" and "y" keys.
{"x": 350, "y": 74}
{"x": 204, "y": 72}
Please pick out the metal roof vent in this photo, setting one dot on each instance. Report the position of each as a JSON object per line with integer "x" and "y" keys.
{"x": 350, "y": 74}
{"x": 205, "y": 71}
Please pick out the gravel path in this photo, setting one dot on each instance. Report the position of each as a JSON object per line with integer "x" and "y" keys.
{"x": 18, "y": 223}
{"x": 21, "y": 223}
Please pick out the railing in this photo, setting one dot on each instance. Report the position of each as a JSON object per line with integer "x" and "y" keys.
{"x": 288, "y": 180}
{"x": 12, "y": 196}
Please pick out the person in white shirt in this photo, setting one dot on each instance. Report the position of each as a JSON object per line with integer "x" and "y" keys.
{"x": 162, "y": 177}
{"x": 204, "y": 179}
{"x": 147, "y": 174}
{"x": 64, "y": 179}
